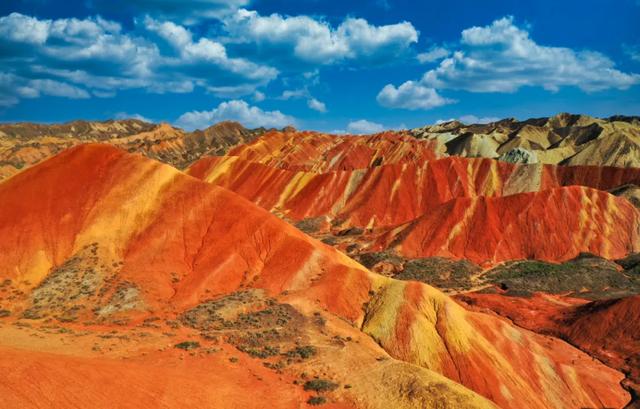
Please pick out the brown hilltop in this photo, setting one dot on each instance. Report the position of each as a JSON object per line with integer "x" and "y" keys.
{"x": 90, "y": 130}
{"x": 26, "y": 144}
{"x": 565, "y": 138}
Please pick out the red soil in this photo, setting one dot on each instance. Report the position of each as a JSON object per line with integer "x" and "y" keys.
{"x": 37, "y": 379}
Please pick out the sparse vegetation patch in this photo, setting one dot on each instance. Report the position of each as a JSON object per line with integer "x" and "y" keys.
{"x": 187, "y": 345}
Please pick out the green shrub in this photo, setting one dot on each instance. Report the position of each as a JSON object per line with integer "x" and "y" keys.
{"x": 317, "y": 400}
{"x": 320, "y": 385}
{"x": 303, "y": 352}
{"x": 188, "y": 345}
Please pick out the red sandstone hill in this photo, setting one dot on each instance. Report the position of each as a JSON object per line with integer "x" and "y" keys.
{"x": 318, "y": 152}
{"x": 607, "y": 329}
{"x": 390, "y": 195}
{"x": 552, "y": 225}
{"x": 451, "y": 207}
{"x": 98, "y": 239}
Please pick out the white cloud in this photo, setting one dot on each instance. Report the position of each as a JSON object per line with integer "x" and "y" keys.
{"x": 235, "y": 110}
{"x": 13, "y": 88}
{"x": 472, "y": 119}
{"x": 76, "y": 58}
{"x": 24, "y": 29}
{"x": 317, "y": 105}
{"x": 633, "y": 51}
{"x": 502, "y": 57}
{"x": 294, "y": 94}
{"x": 411, "y": 95}
{"x": 207, "y": 51}
{"x": 435, "y": 54}
{"x": 57, "y": 89}
{"x": 124, "y": 115}
{"x": 303, "y": 93}
{"x": 184, "y": 11}
{"x": 316, "y": 41}
{"x": 259, "y": 96}
{"x": 363, "y": 126}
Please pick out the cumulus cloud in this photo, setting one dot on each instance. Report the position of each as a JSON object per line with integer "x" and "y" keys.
{"x": 194, "y": 54}
{"x": 124, "y": 115}
{"x": 315, "y": 41}
{"x": 24, "y": 29}
{"x": 411, "y": 95}
{"x": 184, "y": 11}
{"x": 13, "y": 88}
{"x": 502, "y": 57}
{"x": 235, "y": 110}
{"x": 317, "y": 105}
{"x": 303, "y": 93}
{"x": 71, "y": 56}
{"x": 363, "y": 126}
{"x": 259, "y": 96}
{"x": 632, "y": 51}
{"x": 472, "y": 119}
{"x": 434, "y": 54}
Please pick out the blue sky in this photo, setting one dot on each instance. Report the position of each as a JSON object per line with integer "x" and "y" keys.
{"x": 339, "y": 66}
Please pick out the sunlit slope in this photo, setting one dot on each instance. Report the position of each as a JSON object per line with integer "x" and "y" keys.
{"x": 553, "y": 225}
{"x": 393, "y": 194}
{"x": 320, "y": 152}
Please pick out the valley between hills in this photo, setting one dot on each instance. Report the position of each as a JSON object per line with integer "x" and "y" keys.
{"x": 448, "y": 266}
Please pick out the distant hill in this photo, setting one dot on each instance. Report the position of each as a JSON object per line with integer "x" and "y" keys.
{"x": 25, "y": 144}
{"x": 564, "y": 139}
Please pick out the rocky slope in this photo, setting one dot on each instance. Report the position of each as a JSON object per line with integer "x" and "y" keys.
{"x": 563, "y": 139}
{"x": 25, "y": 144}
{"x": 101, "y": 246}
{"x": 392, "y": 205}
{"x": 607, "y": 329}
{"x": 318, "y": 152}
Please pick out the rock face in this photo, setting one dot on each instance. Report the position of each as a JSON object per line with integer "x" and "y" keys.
{"x": 547, "y": 225}
{"x": 104, "y": 242}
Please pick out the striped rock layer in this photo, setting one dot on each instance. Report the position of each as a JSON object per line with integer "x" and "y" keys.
{"x": 153, "y": 223}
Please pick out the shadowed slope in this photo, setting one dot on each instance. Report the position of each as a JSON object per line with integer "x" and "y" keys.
{"x": 164, "y": 242}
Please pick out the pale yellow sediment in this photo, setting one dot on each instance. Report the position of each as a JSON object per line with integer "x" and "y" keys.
{"x": 222, "y": 168}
